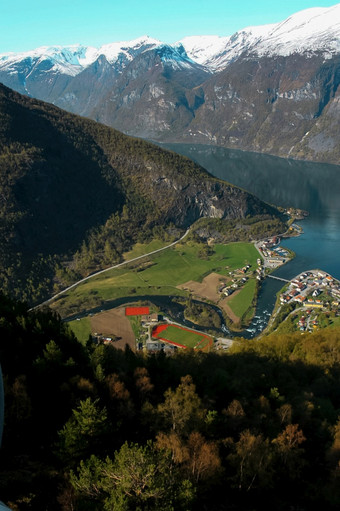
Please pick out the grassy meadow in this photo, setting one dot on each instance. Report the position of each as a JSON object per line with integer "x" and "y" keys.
{"x": 159, "y": 275}
{"x": 81, "y": 329}
{"x": 242, "y": 301}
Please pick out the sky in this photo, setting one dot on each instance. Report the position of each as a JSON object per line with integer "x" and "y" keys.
{"x": 25, "y": 25}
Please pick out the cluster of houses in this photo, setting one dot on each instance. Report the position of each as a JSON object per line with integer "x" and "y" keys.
{"x": 314, "y": 290}
{"x": 306, "y": 288}
{"x": 307, "y": 323}
{"x": 272, "y": 254}
{"x": 227, "y": 290}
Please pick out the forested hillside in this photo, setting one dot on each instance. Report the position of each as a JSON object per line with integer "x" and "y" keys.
{"x": 97, "y": 428}
{"x": 75, "y": 195}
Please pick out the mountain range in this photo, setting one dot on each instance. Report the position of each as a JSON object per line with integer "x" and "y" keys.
{"x": 270, "y": 88}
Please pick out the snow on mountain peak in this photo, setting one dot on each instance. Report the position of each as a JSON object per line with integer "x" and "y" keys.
{"x": 71, "y": 60}
{"x": 127, "y": 48}
{"x": 217, "y": 52}
{"x": 204, "y": 49}
{"x": 310, "y": 30}
{"x": 68, "y": 60}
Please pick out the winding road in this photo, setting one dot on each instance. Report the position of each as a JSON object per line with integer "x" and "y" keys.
{"x": 108, "y": 269}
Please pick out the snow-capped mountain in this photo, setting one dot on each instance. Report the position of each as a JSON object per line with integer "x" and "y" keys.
{"x": 72, "y": 60}
{"x": 216, "y": 52}
{"x": 270, "y": 88}
{"x": 67, "y": 60}
{"x": 308, "y": 31}
{"x": 127, "y": 50}
{"x": 46, "y": 72}
{"x": 311, "y": 30}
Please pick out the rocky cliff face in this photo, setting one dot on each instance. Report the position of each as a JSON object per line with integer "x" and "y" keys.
{"x": 285, "y": 106}
{"x": 153, "y": 95}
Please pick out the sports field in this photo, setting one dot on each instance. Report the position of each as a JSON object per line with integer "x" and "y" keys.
{"x": 182, "y": 337}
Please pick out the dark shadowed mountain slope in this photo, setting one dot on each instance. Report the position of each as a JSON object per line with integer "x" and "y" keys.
{"x": 72, "y": 187}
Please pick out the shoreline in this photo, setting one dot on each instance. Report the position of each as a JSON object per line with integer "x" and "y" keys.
{"x": 323, "y": 282}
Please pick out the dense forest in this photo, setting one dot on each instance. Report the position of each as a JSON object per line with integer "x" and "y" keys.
{"x": 91, "y": 427}
{"x": 75, "y": 195}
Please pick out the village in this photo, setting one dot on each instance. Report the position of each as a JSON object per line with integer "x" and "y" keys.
{"x": 312, "y": 292}
{"x": 272, "y": 254}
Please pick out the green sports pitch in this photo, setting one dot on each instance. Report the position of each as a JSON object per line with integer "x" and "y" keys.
{"x": 182, "y": 337}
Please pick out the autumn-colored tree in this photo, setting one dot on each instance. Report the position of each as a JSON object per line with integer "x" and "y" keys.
{"x": 143, "y": 382}
{"x": 120, "y": 399}
{"x": 235, "y": 410}
{"x": 116, "y": 388}
{"x": 285, "y": 413}
{"x": 288, "y": 448}
{"x": 203, "y": 460}
{"x": 182, "y": 409}
{"x": 137, "y": 479}
{"x": 172, "y": 442}
{"x": 251, "y": 459}
{"x": 198, "y": 458}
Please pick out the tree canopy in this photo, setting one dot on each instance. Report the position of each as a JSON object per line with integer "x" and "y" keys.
{"x": 93, "y": 427}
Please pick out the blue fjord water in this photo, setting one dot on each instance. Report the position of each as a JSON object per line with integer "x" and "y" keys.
{"x": 313, "y": 187}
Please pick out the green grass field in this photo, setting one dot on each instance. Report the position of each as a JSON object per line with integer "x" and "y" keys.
{"x": 81, "y": 329}
{"x": 171, "y": 268}
{"x": 178, "y": 335}
{"x": 243, "y": 300}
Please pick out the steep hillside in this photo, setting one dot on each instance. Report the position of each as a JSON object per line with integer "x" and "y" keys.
{"x": 153, "y": 95}
{"x": 283, "y": 105}
{"x": 74, "y": 189}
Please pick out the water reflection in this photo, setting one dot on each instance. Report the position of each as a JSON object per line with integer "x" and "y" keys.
{"x": 311, "y": 186}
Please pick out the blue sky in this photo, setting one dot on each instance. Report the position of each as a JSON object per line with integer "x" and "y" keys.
{"x": 25, "y": 25}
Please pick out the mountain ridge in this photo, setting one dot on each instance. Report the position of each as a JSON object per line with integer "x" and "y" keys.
{"x": 271, "y": 88}
{"x": 320, "y": 24}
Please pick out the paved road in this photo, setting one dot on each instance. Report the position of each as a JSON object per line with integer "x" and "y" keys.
{"x": 108, "y": 269}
